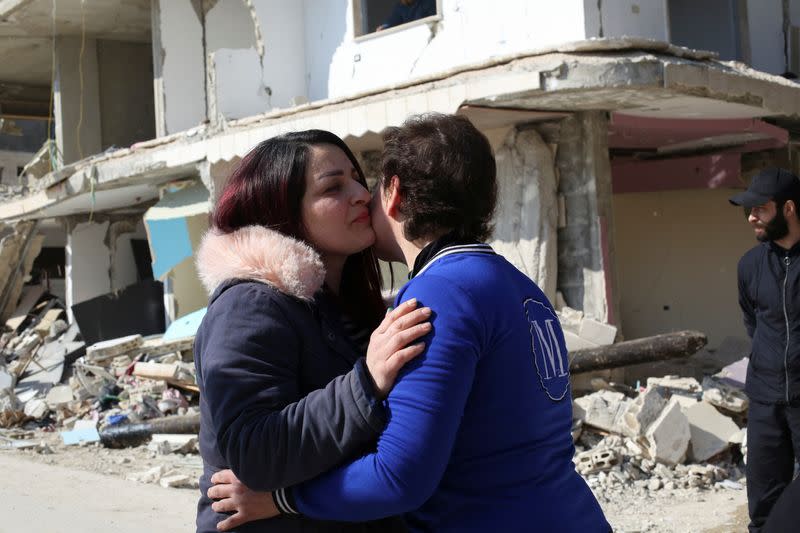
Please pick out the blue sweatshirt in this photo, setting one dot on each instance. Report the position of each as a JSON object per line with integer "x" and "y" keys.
{"x": 478, "y": 436}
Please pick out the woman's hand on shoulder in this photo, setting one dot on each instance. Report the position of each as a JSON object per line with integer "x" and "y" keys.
{"x": 390, "y": 345}
{"x": 233, "y": 496}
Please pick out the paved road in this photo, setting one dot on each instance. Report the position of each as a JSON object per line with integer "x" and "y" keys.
{"x": 39, "y": 498}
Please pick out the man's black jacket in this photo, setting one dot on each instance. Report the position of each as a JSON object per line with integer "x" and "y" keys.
{"x": 769, "y": 295}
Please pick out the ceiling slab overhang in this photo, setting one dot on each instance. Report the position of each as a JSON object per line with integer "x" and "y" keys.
{"x": 504, "y": 92}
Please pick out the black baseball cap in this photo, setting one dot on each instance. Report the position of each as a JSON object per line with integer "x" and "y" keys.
{"x": 770, "y": 184}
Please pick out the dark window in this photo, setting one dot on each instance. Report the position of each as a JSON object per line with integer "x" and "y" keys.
{"x": 50, "y": 263}
{"x": 373, "y": 15}
{"x": 713, "y": 25}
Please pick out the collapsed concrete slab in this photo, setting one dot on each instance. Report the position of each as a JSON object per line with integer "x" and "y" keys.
{"x": 668, "y": 436}
{"x": 710, "y": 430}
{"x": 603, "y": 410}
{"x": 642, "y": 412}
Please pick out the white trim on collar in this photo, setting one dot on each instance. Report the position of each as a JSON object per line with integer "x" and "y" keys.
{"x": 458, "y": 249}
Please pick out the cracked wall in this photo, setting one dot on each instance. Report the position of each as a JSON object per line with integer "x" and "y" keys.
{"x": 527, "y": 208}
{"x": 99, "y": 256}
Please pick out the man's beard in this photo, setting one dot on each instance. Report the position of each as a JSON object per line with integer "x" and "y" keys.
{"x": 775, "y": 229}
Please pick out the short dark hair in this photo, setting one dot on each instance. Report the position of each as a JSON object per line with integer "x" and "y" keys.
{"x": 447, "y": 176}
{"x": 266, "y": 189}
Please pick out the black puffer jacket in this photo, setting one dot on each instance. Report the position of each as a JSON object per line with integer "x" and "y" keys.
{"x": 769, "y": 295}
{"x": 284, "y": 394}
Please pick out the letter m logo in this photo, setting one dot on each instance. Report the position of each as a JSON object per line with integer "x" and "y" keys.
{"x": 549, "y": 350}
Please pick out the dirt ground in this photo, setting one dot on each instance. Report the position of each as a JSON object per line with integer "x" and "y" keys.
{"x": 681, "y": 510}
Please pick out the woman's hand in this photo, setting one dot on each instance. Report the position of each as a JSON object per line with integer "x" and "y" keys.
{"x": 232, "y": 496}
{"x": 389, "y": 346}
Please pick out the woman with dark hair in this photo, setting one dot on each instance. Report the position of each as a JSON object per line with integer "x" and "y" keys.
{"x": 294, "y": 294}
{"x": 480, "y": 433}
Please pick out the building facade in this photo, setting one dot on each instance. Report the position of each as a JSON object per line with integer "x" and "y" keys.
{"x": 620, "y": 129}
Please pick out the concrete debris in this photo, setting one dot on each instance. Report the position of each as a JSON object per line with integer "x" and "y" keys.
{"x": 711, "y": 431}
{"x": 163, "y": 476}
{"x": 671, "y": 385}
{"x": 167, "y": 443}
{"x": 596, "y": 460}
{"x": 602, "y": 410}
{"x": 668, "y": 436}
{"x": 177, "y": 481}
{"x": 724, "y": 396}
{"x": 104, "y": 350}
{"x": 597, "y": 332}
{"x": 642, "y": 412}
{"x": 582, "y": 332}
{"x": 136, "y": 386}
{"x": 639, "y": 440}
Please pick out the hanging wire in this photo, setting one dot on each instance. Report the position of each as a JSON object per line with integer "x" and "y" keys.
{"x": 80, "y": 79}
{"x": 52, "y": 149}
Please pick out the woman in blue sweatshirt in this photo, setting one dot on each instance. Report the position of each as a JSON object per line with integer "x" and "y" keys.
{"x": 478, "y": 436}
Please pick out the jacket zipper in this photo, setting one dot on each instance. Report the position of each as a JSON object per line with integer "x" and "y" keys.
{"x": 786, "y": 318}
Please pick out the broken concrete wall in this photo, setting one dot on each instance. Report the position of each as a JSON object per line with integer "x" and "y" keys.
{"x": 586, "y": 243}
{"x": 17, "y": 253}
{"x": 123, "y": 265}
{"x": 99, "y": 257}
{"x": 77, "y": 99}
{"x": 88, "y": 261}
{"x": 339, "y": 65}
{"x": 10, "y": 162}
{"x": 527, "y": 212}
{"x": 178, "y": 66}
{"x": 237, "y": 58}
{"x": 126, "y": 92}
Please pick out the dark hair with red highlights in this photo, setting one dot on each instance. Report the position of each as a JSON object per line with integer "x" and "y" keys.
{"x": 266, "y": 189}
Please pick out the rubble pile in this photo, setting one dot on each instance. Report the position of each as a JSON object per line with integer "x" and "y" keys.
{"x": 126, "y": 392}
{"x": 674, "y": 433}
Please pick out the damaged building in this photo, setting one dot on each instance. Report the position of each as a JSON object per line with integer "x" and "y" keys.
{"x": 620, "y": 130}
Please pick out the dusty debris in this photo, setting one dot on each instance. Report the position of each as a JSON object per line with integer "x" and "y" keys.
{"x": 661, "y": 438}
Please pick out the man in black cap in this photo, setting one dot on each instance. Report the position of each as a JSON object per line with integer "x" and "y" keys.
{"x": 769, "y": 295}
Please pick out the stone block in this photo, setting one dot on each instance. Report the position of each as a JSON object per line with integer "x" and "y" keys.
{"x": 597, "y": 332}
{"x": 710, "y": 431}
{"x": 602, "y": 410}
{"x": 642, "y": 412}
{"x": 668, "y": 436}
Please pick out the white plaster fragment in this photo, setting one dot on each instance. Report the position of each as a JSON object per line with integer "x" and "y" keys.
{"x": 711, "y": 431}
{"x": 668, "y": 436}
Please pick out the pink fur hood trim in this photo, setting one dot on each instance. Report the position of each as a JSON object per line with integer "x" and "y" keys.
{"x": 260, "y": 254}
